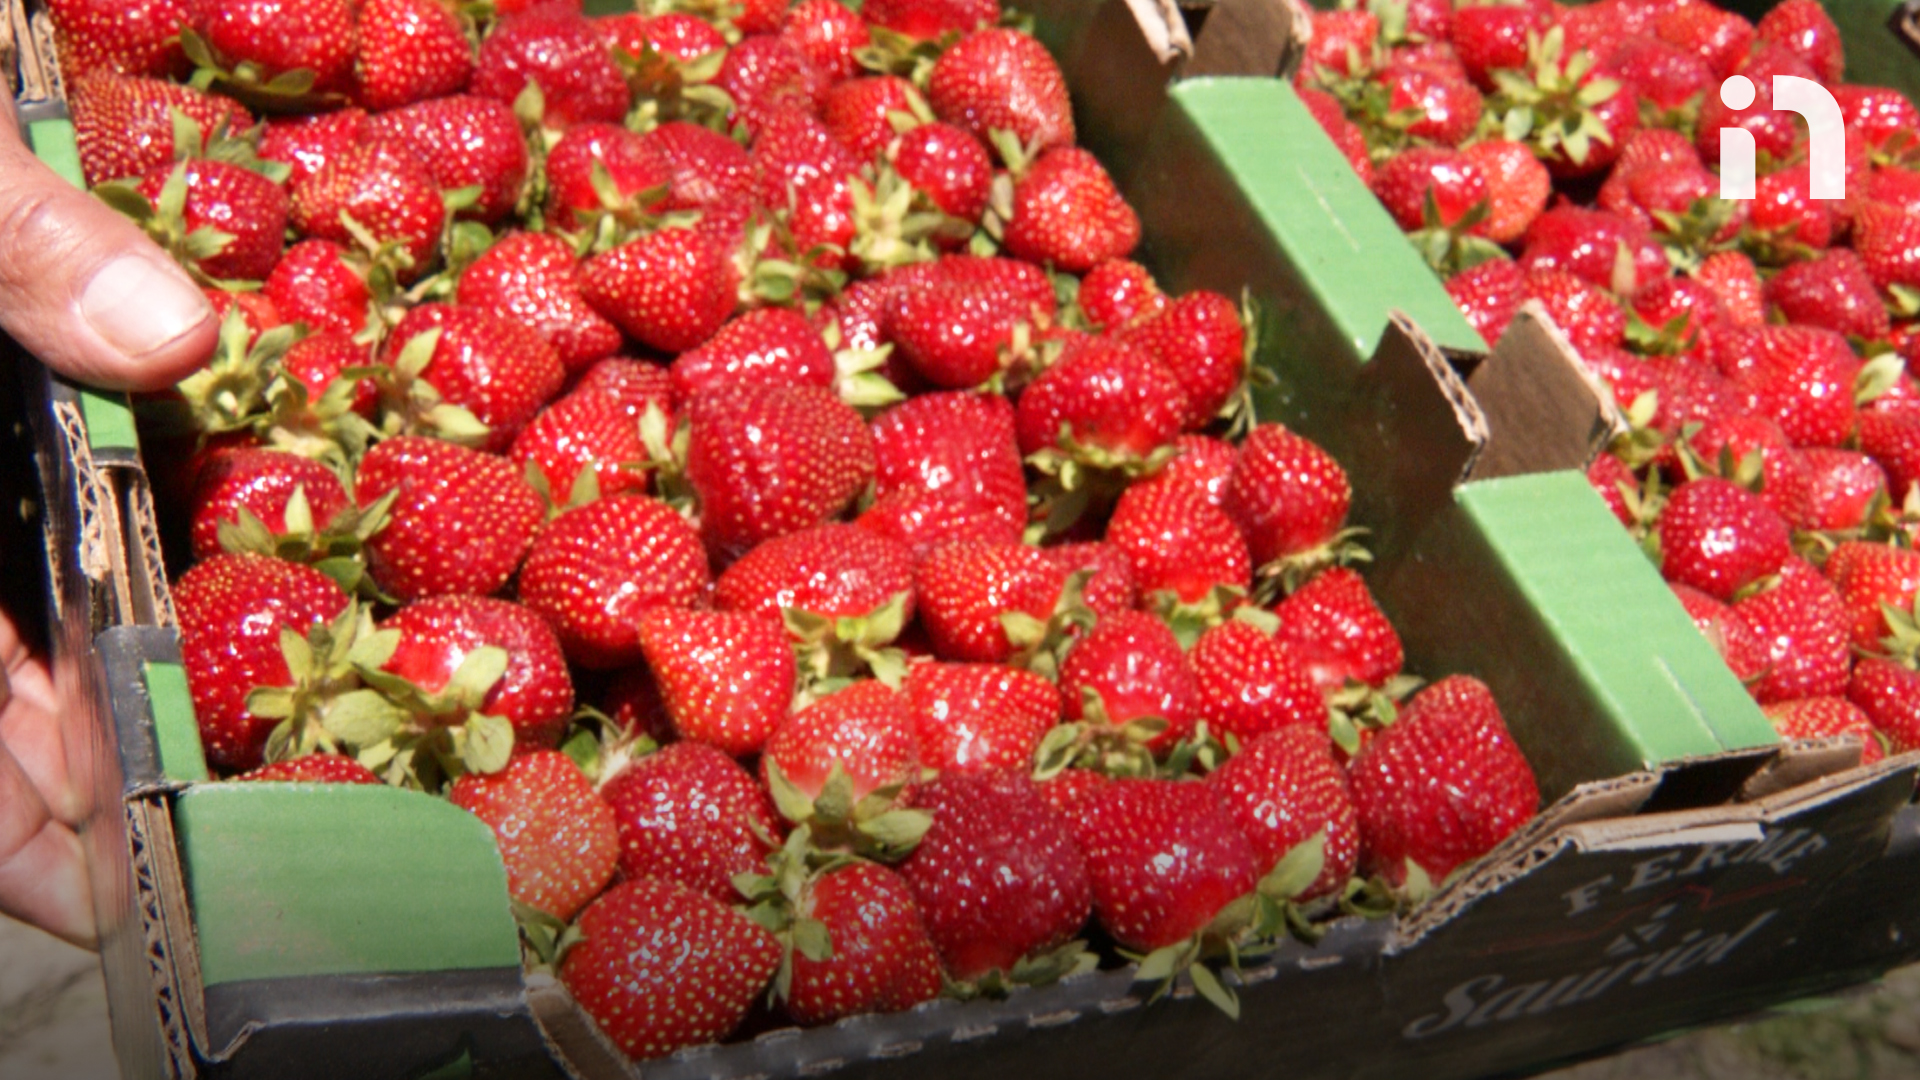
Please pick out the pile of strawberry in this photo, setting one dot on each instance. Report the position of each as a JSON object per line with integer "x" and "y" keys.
{"x": 1761, "y": 348}
{"x": 731, "y": 454}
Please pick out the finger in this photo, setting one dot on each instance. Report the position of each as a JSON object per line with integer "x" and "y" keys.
{"x": 83, "y": 289}
{"x": 43, "y": 868}
{"x": 30, "y": 727}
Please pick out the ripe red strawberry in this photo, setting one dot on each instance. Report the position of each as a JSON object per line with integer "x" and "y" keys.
{"x": 922, "y": 520}
{"x": 535, "y": 694}
{"x": 1285, "y": 493}
{"x": 303, "y": 143}
{"x": 1803, "y": 28}
{"x": 464, "y": 141}
{"x": 1110, "y": 588}
{"x": 949, "y": 165}
{"x": 1200, "y": 340}
{"x": 827, "y": 33}
{"x": 1719, "y": 538}
{"x": 865, "y": 729}
{"x": 248, "y": 207}
{"x": 1659, "y": 72}
{"x": 555, "y": 834}
{"x": 277, "y": 37}
{"x": 925, "y": 20}
{"x": 1164, "y": 857}
{"x": 1284, "y": 787}
{"x": 383, "y": 186}
{"x": 1774, "y": 132}
{"x": 1119, "y": 293}
{"x": 498, "y": 370}
{"x": 771, "y": 346}
{"x": 836, "y": 571}
{"x": 1888, "y": 240}
{"x": 1734, "y": 440}
{"x": 1342, "y": 42}
{"x": 231, "y": 610}
{"x": 1878, "y": 112}
{"x": 1824, "y": 717}
{"x": 595, "y": 570}
{"x": 1804, "y": 626}
{"x": 313, "y": 282}
{"x": 1002, "y": 79}
{"x": 1067, "y": 213}
{"x": 1200, "y": 468}
{"x": 1684, "y": 312}
{"x": 774, "y": 460}
{"x": 1338, "y": 632}
{"x": 1493, "y": 38}
{"x": 688, "y": 813}
{"x": 116, "y": 37}
{"x": 663, "y": 967}
{"x": 580, "y": 431}
{"x": 708, "y": 168}
{"x": 1841, "y": 488}
{"x": 1136, "y": 667}
{"x": 964, "y": 587}
{"x": 881, "y": 960}
{"x": 1721, "y": 38}
{"x": 951, "y": 440}
{"x": 1442, "y": 785}
{"x": 856, "y": 111}
{"x": 260, "y": 482}
{"x": 1889, "y": 693}
{"x": 792, "y": 150}
{"x": 1103, "y": 396}
{"x": 1178, "y": 543}
{"x": 767, "y": 75}
{"x": 409, "y": 50}
{"x": 726, "y": 678}
{"x": 1489, "y": 294}
{"x": 977, "y": 717}
{"x": 1732, "y": 277}
{"x": 1728, "y": 633}
{"x": 634, "y": 385}
{"x": 1870, "y": 575}
{"x": 670, "y": 289}
{"x": 1786, "y": 213}
{"x": 1589, "y": 317}
{"x": 956, "y": 334}
{"x": 1517, "y": 187}
{"x": 123, "y": 124}
{"x": 1442, "y": 108}
{"x": 630, "y": 163}
{"x": 313, "y": 769}
{"x": 1892, "y": 437}
{"x": 1799, "y": 376}
{"x": 1454, "y": 182}
{"x": 1251, "y": 683}
{"x": 460, "y": 523}
{"x": 998, "y": 877}
{"x": 318, "y": 359}
{"x": 677, "y": 35}
{"x": 558, "y": 51}
{"x": 1588, "y": 243}
{"x": 533, "y": 279}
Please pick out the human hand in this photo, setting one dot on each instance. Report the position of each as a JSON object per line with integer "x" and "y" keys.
{"x": 85, "y": 291}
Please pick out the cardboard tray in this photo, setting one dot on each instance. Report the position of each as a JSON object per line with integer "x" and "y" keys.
{"x": 295, "y": 930}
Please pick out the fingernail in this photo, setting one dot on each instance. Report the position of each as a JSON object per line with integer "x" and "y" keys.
{"x": 141, "y": 306}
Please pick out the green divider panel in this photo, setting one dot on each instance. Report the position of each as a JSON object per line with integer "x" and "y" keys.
{"x": 1343, "y": 244}
{"x": 53, "y": 143}
{"x": 109, "y": 418}
{"x": 292, "y": 880}
{"x": 174, "y": 728}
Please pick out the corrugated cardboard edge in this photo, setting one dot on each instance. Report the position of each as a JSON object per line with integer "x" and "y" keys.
{"x": 1544, "y": 410}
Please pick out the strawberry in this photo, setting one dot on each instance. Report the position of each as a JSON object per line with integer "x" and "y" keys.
{"x": 313, "y": 769}
{"x": 1889, "y": 694}
{"x": 498, "y": 370}
{"x": 949, "y": 165}
{"x": 464, "y": 141}
{"x": 1493, "y": 38}
{"x": 880, "y": 960}
{"x": 1892, "y": 438}
{"x": 1200, "y": 467}
{"x": 1803, "y": 28}
{"x": 232, "y": 609}
{"x": 952, "y": 440}
{"x": 1734, "y": 440}
{"x": 958, "y": 334}
{"x": 317, "y": 360}
{"x": 261, "y": 483}
{"x": 1841, "y": 488}
{"x": 793, "y": 149}
{"x": 533, "y": 279}
{"x": 634, "y": 385}
{"x": 1443, "y": 107}
{"x": 1721, "y": 38}
{"x": 1200, "y": 340}
{"x": 1887, "y": 239}
{"x": 864, "y": 731}
{"x": 1804, "y": 626}
{"x": 123, "y": 124}
{"x": 315, "y": 283}
{"x": 771, "y": 461}
{"x": 557, "y": 51}
{"x": 1342, "y": 42}
{"x": 1002, "y": 79}
{"x": 1451, "y": 181}
{"x": 1719, "y": 538}
{"x": 1067, "y": 213}
{"x": 1877, "y": 112}
{"x": 272, "y": 38}
{"x": 999, "y": 877}
{"x": 1489, "y": 294}
{"x": 766, "y": 75}
{"x": 856, "y": 112}
{"x": 1284, "y": 788}
{"x": 1109, "y": 587}
{"x": 1338, "y": 632}
{"x": 1164, "y": 857}
{"x": 669, "y": 289}
{"x": 708, "y": 168}
{"x": 1133, "y": 666}
{"x": 663, "y": 967}
{"x": 1179, "y": 543}
{"x": 1895, "y": 185}
{"x": 445, "y": 492}
{"x": 1799, "y": 376}
{"x": 964, "y": 587}
{"x": 1732, "y": 277}
{"x": 972, "y": 718}
{"x": 1658, "y": 71}
{"x": 1287, "y": 495}
{"x": 1825, "y": 717}
{"x": 1587, "y": 314}
{"x": 766, "y": 346}
{"x": 1105, "y": 397}
{"x": 1775, "y": 133}
{"x": 1442, "y": 785}
{"x": 690, "y": 814}
{"x": 590, "y": 155}
{"x": 595, "y": 570}
{"x": 582, "y": 431}
{"x": 1116, "y": 294}
{"x": 726, "y": 678}
{"x": 926, "y": 20}
{"x": 385, "y": 189}
{"x": 827, "y": 33}
{"x": 1517, "y": 187}
{"x": 304, "y": 143}
{"x": 555, "y": 834}
{"x": 409, "y": 50}
{"x": 535, "y": 694}
{"x": 1684, "y": 315}
{"x": 1728, "y": 633}
{"x": 834, "y": 571}
{"x": 1869, "y": 577}
{"x": 249, "y": 209}
{"x": 1251, "y": 683}
{"x": 117, "y": 37}
{"x": 1588, "y": 243}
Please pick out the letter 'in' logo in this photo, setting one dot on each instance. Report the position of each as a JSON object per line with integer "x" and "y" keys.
{"x": 1826, "y": 136}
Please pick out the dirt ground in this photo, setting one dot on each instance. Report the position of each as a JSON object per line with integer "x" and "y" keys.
{"x": 53, "y": 1026}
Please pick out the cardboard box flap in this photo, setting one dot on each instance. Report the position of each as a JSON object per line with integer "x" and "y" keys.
{"x": 1242, "y": 37}
{"x": 1544, "y": 410}
{"x": 1801, "y": 761}
{"x": 1163, "y": 29}
{"x": 159, "y": 741}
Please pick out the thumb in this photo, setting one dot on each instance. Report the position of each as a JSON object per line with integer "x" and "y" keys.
{"x": 83, "y": 289}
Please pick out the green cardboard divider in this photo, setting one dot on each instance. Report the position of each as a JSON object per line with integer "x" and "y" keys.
{"x": 292, "y": 880}
{"x": 53, "y": 142}
{"x": 176, "y": 732}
